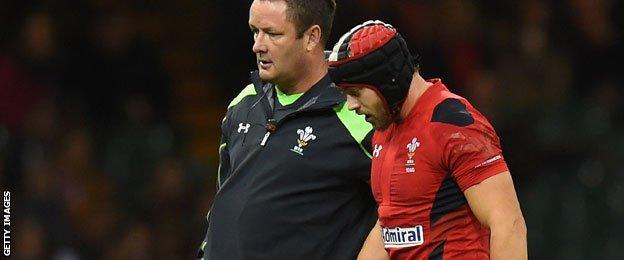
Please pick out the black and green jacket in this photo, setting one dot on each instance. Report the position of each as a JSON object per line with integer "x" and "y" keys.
{"x": 293, "y": 178}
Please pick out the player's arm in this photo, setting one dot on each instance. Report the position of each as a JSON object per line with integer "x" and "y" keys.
{"x": 373, "y": 248}
{"x": 495, "y": 204}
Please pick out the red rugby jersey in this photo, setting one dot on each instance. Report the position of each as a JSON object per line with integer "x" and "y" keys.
{"x": 420, "y": 168}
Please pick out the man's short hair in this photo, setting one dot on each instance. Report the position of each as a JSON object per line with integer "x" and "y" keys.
{"x": 305, "y": 13}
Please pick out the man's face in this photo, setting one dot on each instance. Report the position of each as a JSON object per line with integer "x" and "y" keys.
{"x": 365, "y": 101}
{"x": 278, "y": 51}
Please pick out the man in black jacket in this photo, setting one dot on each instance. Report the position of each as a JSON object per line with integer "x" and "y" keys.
{"x": 295, "y": 162}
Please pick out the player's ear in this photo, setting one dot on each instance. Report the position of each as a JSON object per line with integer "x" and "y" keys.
{"x": 312, "y": 37}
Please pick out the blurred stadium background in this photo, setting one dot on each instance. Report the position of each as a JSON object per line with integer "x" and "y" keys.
{"x": 110, "y": 114}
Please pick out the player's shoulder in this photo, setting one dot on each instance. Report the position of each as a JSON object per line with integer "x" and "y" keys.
{"x": 247, "y": 91}
{"x": 454, "y": 116}
{"x": 454, "y": 111}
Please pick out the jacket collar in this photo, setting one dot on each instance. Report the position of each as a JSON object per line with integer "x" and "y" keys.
{"x": 324, "y": 94}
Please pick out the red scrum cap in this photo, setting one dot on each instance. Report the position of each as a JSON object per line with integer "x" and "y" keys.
{"x": 376, "y": 55}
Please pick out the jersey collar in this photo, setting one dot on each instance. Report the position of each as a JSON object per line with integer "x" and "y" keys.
{"x": 425, "y": 98}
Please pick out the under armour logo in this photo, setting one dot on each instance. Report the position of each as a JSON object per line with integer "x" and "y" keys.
{"x": 377, "y": 150}
{"x": 242, "y": 127}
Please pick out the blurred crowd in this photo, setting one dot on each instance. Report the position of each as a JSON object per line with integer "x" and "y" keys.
{"x": 102, "y": 162}
{"x": 88, "y": 144}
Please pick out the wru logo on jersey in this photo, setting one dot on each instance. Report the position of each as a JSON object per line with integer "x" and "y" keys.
{"x": 411, "y": 149}
{"x": 305, "y": 136}
{"x": 244, "y": 127}
{"x": 403, "y": 237}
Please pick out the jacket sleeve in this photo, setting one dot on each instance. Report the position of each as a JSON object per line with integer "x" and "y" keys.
{"x": 361, "y": 132}
{"x": 222, "y": 173}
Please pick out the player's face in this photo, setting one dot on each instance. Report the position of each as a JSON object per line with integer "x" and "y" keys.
{"x": 278, "y": 51}
{"x": 365, "y": 101}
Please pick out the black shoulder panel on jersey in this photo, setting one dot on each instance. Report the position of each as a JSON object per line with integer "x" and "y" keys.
{"x": 448, "y": 198}
{"x": 438, "y": 252}
{"x": 452, "y": 111}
